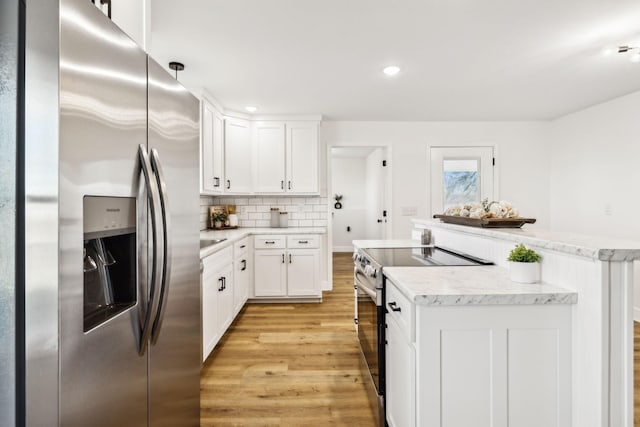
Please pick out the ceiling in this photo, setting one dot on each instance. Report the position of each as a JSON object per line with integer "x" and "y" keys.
{"x": 460, "y": 59}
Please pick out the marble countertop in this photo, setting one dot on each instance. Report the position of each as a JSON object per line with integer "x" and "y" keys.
{"x": 594, "y": 247}
{"x": 234, "y": 235}
{"x": 481, "y": 285}
{"x": 389, "y": 243}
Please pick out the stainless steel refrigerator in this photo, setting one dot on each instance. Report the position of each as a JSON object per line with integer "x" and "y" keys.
{"x": 111, "y": 288}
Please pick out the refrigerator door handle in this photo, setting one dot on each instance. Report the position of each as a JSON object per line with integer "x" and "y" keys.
{"x": 152, "y": 303}
{"x": 166, "y": 258}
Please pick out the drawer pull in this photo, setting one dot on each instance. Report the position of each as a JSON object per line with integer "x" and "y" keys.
{"x": 392, "y": 306}
{"x": 269, "y": 242}
{"x": 244, "y": 265}
{"x": 221, "y": 288}
{"x": 283, "y": 258}
{"x": 243, "y": 246}
{"x": 303, "y": 241}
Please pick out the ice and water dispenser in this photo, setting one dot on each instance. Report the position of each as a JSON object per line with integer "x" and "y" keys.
{"x": 110, "y": 256}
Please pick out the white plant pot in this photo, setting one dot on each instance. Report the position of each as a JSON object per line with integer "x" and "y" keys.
{"x": 524, "y": 272}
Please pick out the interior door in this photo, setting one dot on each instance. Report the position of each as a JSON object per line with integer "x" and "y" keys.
{"x": 174, "y": 359}
{"x": 103, "y": 120}
{"x": 460, "y": 175}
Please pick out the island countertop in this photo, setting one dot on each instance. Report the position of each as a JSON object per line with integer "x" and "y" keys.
{"x": 594, "y": 247}
{"x": 481, "y": 285}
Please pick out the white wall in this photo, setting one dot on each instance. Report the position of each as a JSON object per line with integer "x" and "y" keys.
{"x": 134, "y": 18}
{"x": 595, "y": 173}
{"x": 348, "y": 178}
{"x": 522, "y": 160}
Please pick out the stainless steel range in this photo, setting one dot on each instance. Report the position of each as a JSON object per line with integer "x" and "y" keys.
{"x": 369, "y": 284}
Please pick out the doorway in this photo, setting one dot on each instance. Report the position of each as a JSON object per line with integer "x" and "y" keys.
{"x": 460, "y": 175}
{"x": 358, "y": 193}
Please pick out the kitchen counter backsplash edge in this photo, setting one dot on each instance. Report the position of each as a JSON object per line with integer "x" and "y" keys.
{"x": 234, "y": 235}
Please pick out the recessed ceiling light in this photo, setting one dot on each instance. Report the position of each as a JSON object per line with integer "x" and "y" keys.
{"x": 391, "y": 70}
{"x": 251, "y": 109}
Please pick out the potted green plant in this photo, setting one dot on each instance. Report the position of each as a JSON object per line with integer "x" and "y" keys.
{"x": 524, "y": 265}
{"x": 218, "y": 219}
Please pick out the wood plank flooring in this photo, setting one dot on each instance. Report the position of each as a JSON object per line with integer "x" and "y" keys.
{"x": 289, "y": 364}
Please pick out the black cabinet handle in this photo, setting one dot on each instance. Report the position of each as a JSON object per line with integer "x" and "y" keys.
{"x": 228, "y": 184}
{"x": 216, "y": 181}
{"x": 243, "y": 246}
{"x": 108, "y": 3}
{"x": 289, "y": 185}
{"x": 282, "y": 185}
{"x": 283, "y": 258}
{"x": 392, "y": 306}
{"x": 221, "y": 288}
{"x": 269, "y": 242}
{"x": 244, "y": 265}
{"x": 303, "y": 242}
{"x": 289, "y": 258}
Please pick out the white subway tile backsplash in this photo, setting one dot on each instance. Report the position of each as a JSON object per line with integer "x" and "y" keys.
{"x": 255, "y": 211}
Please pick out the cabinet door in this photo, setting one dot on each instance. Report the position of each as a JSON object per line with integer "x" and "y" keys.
{"x": 211, "y": 149}
{"x": 225, "y": 299}
{"x": 237, "y": 156}
{"x": 400, "y": 377}
{"x": 241, "y": 283}
{"x": 270, "y": 273}
{"x": 302, "y": 157}
{"x": 303, "y": 272}
{"x": 210, "y": 334}
{"x": 269, "y": 161}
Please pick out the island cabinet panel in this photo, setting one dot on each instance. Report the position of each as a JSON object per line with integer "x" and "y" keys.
{"x": 466, "y": 375}
{"x": 493, "y": 366}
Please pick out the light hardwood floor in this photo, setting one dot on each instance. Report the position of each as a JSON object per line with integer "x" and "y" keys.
{"x": 636, "y": 374}
{"x": 289, "y": 364}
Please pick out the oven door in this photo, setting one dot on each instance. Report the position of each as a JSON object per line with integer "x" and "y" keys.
{"x": 371, "y": 327}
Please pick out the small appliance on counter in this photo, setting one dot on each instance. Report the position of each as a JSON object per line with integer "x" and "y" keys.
{"x": 275, "y": 218}
{"x": 284, "y": 220}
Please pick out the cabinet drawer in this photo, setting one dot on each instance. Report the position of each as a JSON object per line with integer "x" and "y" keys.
{"x": 303, "y": 241}
{"x": 241, "y": 247}
{"x": 218, "y": 259}
{"x": 401, "y": 310}
{"x": 270, "y": 242}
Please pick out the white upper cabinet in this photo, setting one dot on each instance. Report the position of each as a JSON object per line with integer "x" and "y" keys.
{"x": 211, "y": 146}
{"x": 268, "y": 138}
{"x": 302, "y": 157}
{"x": 237, "y": 156}
{"x": 286, "y": 157}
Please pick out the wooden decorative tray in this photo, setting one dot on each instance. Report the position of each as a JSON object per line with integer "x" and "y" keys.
{"x": 486, "y": 222}
{"x": 224, "y": 227}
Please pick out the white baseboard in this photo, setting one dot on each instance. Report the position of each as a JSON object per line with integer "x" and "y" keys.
{"x": 326, "y": 285}
{"x": 342, "y": 249}
{"x": 636, "y": 314}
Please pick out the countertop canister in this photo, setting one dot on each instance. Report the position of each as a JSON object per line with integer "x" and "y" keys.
{"x": 275, "y": 217}
{"x": 284, "y": 219}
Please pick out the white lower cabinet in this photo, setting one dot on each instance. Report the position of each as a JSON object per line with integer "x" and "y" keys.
{"x": 225, "y": 288}
{"x": 477, "y": 365}
{"x": 217, "y": 298}
{"x": 400, "y": 377}
{"x": 282, "y": 272}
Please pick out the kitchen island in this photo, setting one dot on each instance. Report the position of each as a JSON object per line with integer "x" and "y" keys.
{"x": 600, "y": 271}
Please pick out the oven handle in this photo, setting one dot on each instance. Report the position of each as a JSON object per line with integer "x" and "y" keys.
{"x": 361, "y": 285}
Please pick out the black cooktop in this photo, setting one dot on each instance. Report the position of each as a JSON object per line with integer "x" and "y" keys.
{"x": 421, "y": 257}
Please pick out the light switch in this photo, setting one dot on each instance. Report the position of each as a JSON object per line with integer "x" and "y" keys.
{"x": 409, "y": 210}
